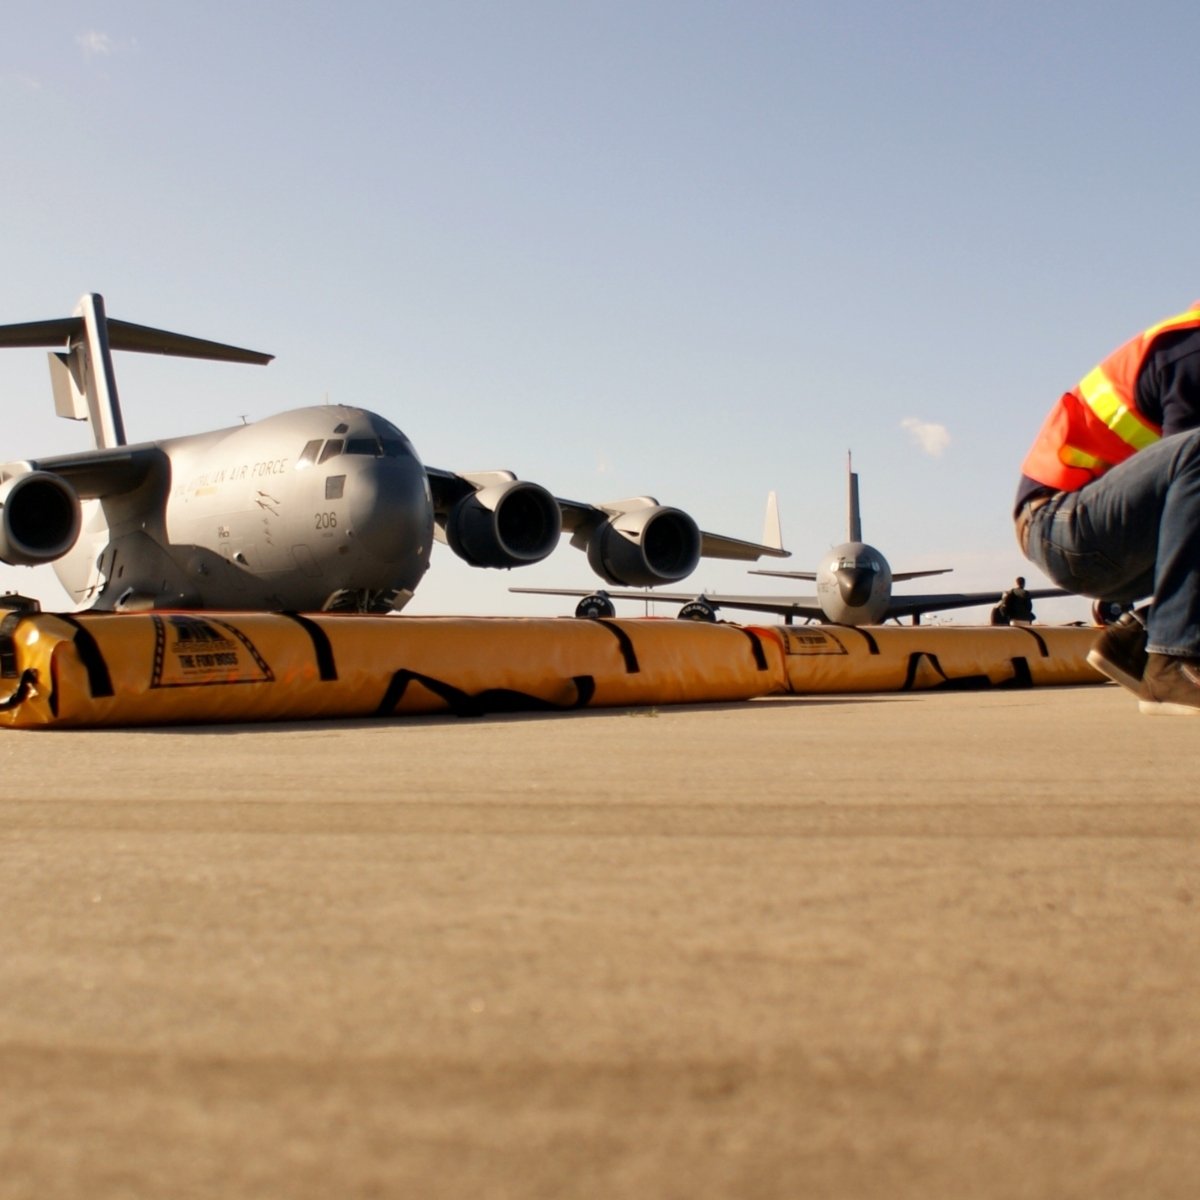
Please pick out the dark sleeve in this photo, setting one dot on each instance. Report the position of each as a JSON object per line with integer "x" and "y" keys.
{"x": 1169, "y": 382}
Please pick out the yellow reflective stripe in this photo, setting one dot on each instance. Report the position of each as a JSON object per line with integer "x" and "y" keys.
{"x": 1184, "y": 318}
{"x": 1071, "y": 456}
{"x": 1101, "y": 397}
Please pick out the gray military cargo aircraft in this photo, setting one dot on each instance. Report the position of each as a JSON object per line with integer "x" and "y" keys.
{"x": 854, "y": 587}
{"x": 323, "y": 508}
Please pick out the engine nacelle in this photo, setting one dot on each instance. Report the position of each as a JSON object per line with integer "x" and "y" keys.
{"x": 645, "y": 547}
{"x": 39, "y": 518}
{"x": 507, "y": 524}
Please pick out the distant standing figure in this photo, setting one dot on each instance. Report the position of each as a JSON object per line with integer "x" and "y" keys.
{"x": 1018, "y": 604}
{"x": 1109, "y": 506}
{"x": 1015, "y": 607}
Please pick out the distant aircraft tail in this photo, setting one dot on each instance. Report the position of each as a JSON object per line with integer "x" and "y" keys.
{"x": 855, "y": 534}
{"x": 85, "y": 386}
{"x": 772, "y": 530}
{"x": 856, "y": 531}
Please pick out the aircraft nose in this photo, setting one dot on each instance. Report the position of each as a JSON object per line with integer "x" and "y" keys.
{"x": 854, "y": 584}
{"x": 390, "y": 508}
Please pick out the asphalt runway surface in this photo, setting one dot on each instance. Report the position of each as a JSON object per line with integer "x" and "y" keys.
{"x": 928, "y": 945}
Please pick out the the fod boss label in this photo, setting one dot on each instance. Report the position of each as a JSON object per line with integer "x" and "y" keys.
{"x": 193, "y": 652}
{"x": 810, "y": 640}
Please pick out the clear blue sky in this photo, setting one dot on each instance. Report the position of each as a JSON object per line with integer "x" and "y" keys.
{"x": 692, "y": 249}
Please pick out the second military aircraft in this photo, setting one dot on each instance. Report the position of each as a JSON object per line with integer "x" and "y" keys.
{"x": 853, "y": 586}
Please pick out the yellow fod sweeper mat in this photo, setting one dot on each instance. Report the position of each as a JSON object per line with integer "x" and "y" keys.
{"x": 905, "y": 658}
{"x": 129, "y": 669}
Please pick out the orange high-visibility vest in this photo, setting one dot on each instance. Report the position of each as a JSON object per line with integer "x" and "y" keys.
{"x": 1098, "y": 423}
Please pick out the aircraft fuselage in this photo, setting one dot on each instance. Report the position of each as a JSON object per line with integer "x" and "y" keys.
{"x": 854, "y": 584}
{"x": 286, "y": 513}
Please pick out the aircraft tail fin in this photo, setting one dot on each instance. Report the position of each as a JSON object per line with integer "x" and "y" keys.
{"x": 84, "y": 384}
{"x": 855, "y": 518}
{"x": 82, "y": 377}
{"x": 772, "y": 530}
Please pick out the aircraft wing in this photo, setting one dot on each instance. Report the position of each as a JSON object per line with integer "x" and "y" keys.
{"x": 805, "y": 607}
{"x": 914, "y": 606}
{"x": 580, "y": 519}
{"x": 96, "y": 473}
{"x": 717, "y": 545}
{"x": 586, "y": 521}
{"x": 897, "y": 576}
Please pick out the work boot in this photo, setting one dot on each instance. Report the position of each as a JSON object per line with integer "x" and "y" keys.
{"x": 1172, "y": 686}
{"x": 1120, "y": 653}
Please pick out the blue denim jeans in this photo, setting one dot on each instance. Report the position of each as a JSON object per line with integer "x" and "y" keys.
{"x": 1134, "y": 532}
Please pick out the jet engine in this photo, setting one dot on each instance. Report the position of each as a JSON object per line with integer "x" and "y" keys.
{"x": 509, "y": 524}
{"x": 39, "y": 518}
{"x": 645, "y": 547}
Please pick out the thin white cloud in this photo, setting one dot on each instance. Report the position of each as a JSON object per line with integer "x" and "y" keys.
{"x": 95, "y": 44}
{"x": 931, "y": 438}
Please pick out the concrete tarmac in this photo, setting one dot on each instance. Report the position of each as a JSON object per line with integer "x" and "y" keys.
{"x": 890, "y": 946}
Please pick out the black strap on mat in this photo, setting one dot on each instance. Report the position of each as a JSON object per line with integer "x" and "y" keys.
{"x": 628, "y": 653}
{"x": 1022, "y": 676}
{"x": 1043, "y": 649}
{"x": 493, "y": 700}
{"x": 99, "y": 680}
{"x": 21, "y": 692}
{"x": 326, "y": 666}
{"x": 760, "y": 659}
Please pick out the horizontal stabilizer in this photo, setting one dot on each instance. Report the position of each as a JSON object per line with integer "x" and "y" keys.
{"x": 811, "y": 576}
{"x": 40, "y": 333}
{"x": 900, "y": 576}
{"x": 124, "y": 336}
{"x": 81, "y": 370}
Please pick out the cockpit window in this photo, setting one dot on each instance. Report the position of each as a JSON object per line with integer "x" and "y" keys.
{"x": 333, "y": 448}
{"x": 856, "y": 564}
{"x": 308, "y": 455}
{"x": 378, "y": 447}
